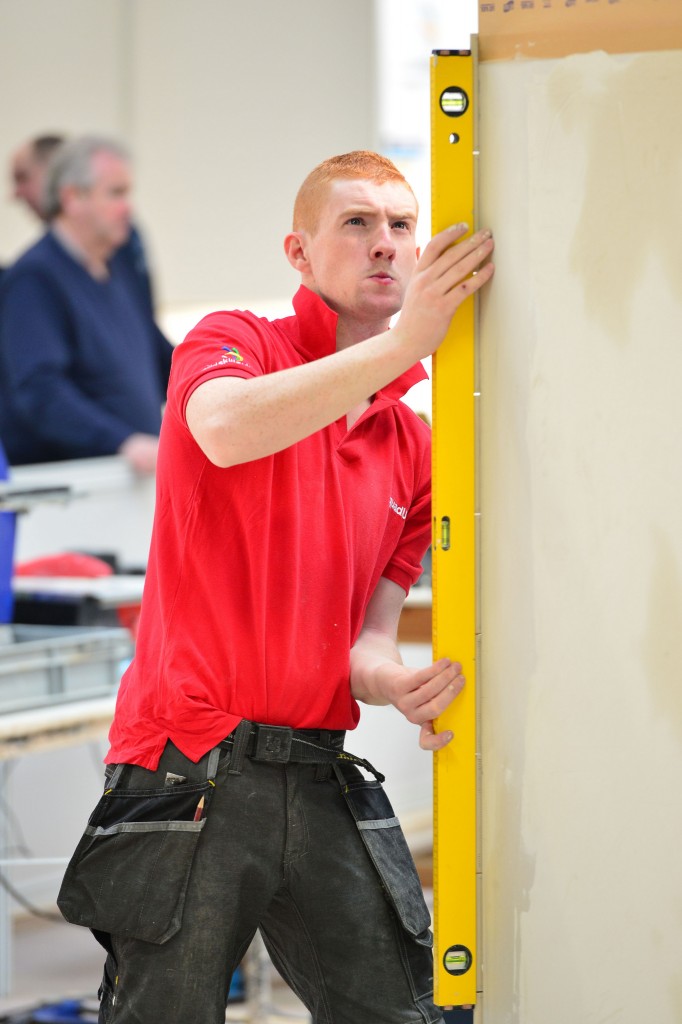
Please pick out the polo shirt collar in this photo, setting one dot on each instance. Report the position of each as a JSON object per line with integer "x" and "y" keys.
{"x": 316, "y": 325}
{"x": 317, "y": 338}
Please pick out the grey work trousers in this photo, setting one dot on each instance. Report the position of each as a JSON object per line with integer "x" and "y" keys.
{"x": 179, "y": 867}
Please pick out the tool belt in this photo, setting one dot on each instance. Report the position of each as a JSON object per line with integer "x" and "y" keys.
{"x": 282, "y": 745}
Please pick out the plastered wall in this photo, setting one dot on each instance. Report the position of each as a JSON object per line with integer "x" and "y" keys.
{"x": 581, "y": 494}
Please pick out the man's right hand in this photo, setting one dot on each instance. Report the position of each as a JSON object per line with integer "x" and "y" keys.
{"x": 235, "y": 421}
{"x": 450, "y": 269}
{"x": 140, "y": 450}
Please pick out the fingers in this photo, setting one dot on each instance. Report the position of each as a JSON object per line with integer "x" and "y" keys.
{"x": 430, "y": 740}
{"x": 452, "y": 270}
{"x": 450, "y": 247}
{"x": 440, "y": 689}
{"x": 441, "y": 242}
{"x": 432, "y": 691}
{"x": 458, "y": 264}
{"x": 475, "y": 262}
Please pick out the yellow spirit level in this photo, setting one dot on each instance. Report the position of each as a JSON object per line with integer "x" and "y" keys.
{"x": 455, "y": 517}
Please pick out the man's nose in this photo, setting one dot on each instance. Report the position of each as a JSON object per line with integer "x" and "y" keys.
{"x": 383, "y": 246}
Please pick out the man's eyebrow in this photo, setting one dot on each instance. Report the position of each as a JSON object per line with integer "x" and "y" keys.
{"x": 365, "y": 211}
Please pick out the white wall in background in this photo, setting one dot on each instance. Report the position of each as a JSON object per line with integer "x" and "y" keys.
{"x": 226, "y": 106}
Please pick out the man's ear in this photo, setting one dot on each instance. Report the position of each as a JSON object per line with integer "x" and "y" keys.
{"x": 69, "y": 196}
{"x": 294, "y": 247}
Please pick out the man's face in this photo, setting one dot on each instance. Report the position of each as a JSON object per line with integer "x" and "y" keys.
{"x": 102, "y": 212}
{"x": 361, "y": 257}
{"x": 28, "y": 176}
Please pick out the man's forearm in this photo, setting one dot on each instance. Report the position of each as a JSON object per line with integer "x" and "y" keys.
{"x": 240, "y": 421}
{"x": 236, "y": 421}
{"x": 372, "y": 653}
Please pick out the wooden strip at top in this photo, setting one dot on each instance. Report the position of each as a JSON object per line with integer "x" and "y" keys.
{"x": 556, "y": 28}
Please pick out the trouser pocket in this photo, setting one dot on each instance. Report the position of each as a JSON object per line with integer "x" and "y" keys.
{"x": 129, "y": 873}
{"x": 388, "y": 850}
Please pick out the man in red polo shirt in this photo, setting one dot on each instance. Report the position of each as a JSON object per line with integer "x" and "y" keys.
{"x": 293, "y": 511}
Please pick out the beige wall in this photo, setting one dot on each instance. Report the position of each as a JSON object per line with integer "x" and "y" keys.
{"x": 582, "y": 546}
{"x": 59, "y": 71}
{"x": 226, "y": 106}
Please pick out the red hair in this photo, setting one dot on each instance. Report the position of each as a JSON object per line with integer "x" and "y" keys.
{"x": 361, "y": 163}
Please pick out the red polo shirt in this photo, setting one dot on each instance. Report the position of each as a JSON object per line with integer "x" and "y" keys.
{"x": 259, "y": 575}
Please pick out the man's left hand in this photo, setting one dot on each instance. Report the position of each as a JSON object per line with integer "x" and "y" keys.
{"x": 421, "y": 695}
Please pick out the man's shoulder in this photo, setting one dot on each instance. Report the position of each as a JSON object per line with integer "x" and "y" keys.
{"x": 227, "y": 318}
{"x": 43, "y": 251}
{"x": 235, "y": 341}
{"x": 42, "y": 259}
{"x": 243, "y": 325}
{"x": 415, "y": 432}
{"x": 224, "y": 318}
{"x": 418, "y": 420}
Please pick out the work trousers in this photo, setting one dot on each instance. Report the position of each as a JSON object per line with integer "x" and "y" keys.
{"x": 180, "y": 866}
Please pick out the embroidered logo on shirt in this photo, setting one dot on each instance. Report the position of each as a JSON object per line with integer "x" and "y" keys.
{"x": 399, "y": 510}
{"x": 230, "y": 356}
{"x": 233, "y": 355}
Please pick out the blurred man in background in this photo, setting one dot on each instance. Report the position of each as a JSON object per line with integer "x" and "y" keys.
{"x": 29, "y": 167}
{"x": 83, "y": 365}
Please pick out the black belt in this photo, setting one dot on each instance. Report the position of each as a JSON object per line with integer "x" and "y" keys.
{"x": 283, "y": 745}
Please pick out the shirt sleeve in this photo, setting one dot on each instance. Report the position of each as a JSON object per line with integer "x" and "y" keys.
{"x": 221, "y": 345}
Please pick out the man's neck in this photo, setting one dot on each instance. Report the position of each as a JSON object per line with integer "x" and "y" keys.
{"x": 92, "y": 257}
{"x": 350, "y": 332}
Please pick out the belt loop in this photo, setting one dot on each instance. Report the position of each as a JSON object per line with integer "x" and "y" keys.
{"x": 212, "y": 767}
{"x": 323, "y": 771}
{"x": 241, "y": 738}
{"x": 115, "y": 777}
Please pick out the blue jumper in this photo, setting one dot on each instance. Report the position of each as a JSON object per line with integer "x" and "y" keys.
{"x": 82, "y": 363}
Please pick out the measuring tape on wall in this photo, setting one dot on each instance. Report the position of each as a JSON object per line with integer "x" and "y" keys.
{"x": 455, "y": 508}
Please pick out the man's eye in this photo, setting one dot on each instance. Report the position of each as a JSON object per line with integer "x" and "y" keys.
{"x": 355, "y": 220}
{"x": 402, "y": 224}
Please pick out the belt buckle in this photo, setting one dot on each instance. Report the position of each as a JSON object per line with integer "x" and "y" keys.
{"x": 273, "y": 743}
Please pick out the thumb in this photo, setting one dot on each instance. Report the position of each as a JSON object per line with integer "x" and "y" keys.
{"x": 430, "y": 740}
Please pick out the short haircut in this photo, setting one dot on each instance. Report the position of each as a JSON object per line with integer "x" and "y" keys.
{"x": 71, "y": 164}
{"x": 43, "y": 146}
{"x": 359, "y": 164}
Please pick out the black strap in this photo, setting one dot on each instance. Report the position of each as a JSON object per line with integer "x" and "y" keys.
{"x": 282, "y": 745}
{"x": 240, "y": 741}
{"x": 324, "y": 770}
{"x": 307, "y": 751}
